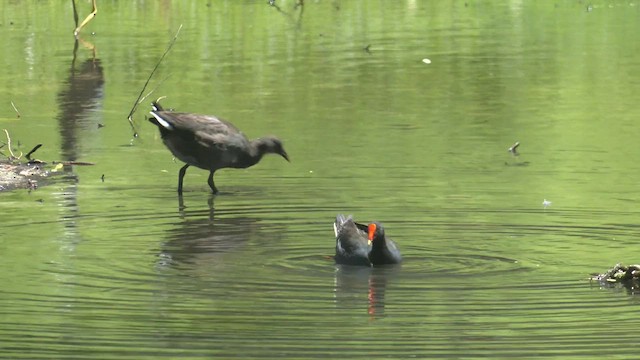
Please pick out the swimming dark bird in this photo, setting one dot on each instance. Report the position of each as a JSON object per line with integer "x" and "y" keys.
{"x": 383, "y": 251}
{"x": 352, "y": 246}
{"x": 359, "y": 244}
{"x": 210, "y": 143}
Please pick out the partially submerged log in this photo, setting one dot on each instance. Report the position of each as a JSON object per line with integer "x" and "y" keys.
{"x": 21, "y": 175}
{"x": 18, "y": 175}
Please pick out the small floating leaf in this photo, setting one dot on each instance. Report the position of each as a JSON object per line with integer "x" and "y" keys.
{"x": 57, "y": 168}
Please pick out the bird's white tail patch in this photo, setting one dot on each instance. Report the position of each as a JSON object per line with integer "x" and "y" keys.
{"x": 162, "y": 121}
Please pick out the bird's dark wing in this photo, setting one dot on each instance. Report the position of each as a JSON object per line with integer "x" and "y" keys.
{"x": 196, "y": 122}
{"x": 393, "y": 247}
{"x": 362, "y": 227}
{"x": 349, "y": 235}
{"x": 209, "y": 131}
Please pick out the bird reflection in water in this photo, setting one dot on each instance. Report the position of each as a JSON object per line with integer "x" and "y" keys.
{"x": 352, "y": 282}
{"x": 199, "y": 241}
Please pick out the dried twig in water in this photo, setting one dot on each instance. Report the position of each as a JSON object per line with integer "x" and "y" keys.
{"x": 13, "y": 156}
{"x": 135, "y": 104}
{"x": 152, "y": 91}
{"x": 15, "y": 108}
{"x": 81, "y": 163}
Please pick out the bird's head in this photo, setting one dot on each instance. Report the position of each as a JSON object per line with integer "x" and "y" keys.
{"x": 272, "y": 144}
{"x": 376, "y": 231}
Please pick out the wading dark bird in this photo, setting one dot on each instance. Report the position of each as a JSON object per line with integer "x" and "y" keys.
{"x": 210, "y": 143}
{"x": 359, "y": 244}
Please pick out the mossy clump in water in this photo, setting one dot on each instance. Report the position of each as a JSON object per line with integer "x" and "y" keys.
{"x": 629, "y": 276}
{"x": 19, "y": 175}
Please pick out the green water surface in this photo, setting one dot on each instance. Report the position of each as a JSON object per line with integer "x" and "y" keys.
{"x": 106, "y": 261}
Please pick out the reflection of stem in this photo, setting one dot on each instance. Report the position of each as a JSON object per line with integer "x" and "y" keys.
{"x": 272, "y": 3}
{"x": 88, "y": 45}
{"x": 15, "y": 108}
{"x": 301, "y": 4}
{"x": 298, "y": 4}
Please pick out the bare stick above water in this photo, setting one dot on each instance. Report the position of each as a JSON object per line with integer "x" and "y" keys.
{"x": 135, "y": 104}
{"x": 32, "y": 151}
{"x": 15, "y": 108}
{"x": 152, "y": 91}
{"x": 13, "y": 156}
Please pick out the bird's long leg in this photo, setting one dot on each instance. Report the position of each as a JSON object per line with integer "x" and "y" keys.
{"x": 183, "y": 171}
{"x": 211, "y": 184}
{"x": 86, "y": 20}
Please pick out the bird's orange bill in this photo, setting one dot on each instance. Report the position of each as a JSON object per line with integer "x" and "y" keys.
{"x": 372, "y": 230}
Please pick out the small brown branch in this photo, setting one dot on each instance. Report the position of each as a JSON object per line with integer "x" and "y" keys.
{"x": 81, "y": 163}
{"x": 15, "y": 108}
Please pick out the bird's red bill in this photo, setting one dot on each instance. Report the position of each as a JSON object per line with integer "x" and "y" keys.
{"x": 372, "y": 230}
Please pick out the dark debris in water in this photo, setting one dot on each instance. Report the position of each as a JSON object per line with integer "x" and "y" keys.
{"x": 626, "y": 275}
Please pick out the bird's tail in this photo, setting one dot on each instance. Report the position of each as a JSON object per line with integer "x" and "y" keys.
{"x": 339, "y": 223}
{"x": 157, "y": 118}
{"x": 155, "y": 105}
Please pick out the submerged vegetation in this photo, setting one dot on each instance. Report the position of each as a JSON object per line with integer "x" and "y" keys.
{"x": 626, "y": 275}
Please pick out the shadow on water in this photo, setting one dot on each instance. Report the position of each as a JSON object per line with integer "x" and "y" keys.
{"x": 351, "y": 282}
